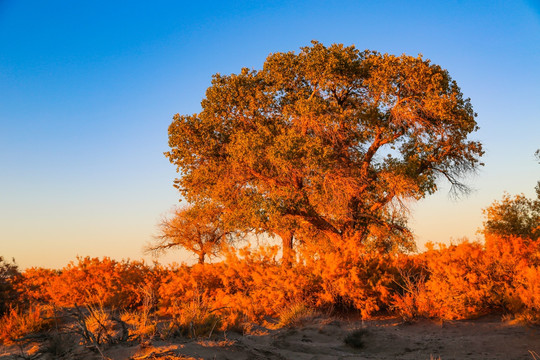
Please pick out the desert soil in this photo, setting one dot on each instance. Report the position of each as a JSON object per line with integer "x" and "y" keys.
{"x": 323, "y": 338}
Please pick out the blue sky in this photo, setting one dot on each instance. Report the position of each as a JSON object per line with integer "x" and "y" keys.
{"x": 87, "y": 90}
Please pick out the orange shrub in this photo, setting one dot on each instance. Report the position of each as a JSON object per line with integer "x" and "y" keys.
{"x": 410, "y": 298}
{"x": 113, "y": 283}
{"x": 527, "y": 291}
{"x": 350, "y": 277}
{"x": 459, "y": 285}
{"x": 469, "y": 279}
{"x": 250, "y": 287}
{"x": 36, "y": 285}
{"x": 514, "y": 264}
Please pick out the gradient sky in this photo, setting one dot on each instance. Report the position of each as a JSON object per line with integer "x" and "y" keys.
{"x": 87, "y": 90}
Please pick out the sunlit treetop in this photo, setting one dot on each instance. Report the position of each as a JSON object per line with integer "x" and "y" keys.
{"x": 330, "y": 139}
{"x": 516, "y": 216}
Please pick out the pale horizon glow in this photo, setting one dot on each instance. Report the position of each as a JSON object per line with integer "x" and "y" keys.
{"x": 87, "y": 91}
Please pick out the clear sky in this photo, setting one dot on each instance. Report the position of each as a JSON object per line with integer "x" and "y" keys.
{"x": 87, "y": 90}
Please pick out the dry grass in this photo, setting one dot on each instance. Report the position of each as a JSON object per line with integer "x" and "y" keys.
{"x": 194, "y": 319}
{"x": 295, "y": 316}
{"x": 143, "y": 323}
{"x": 17, "y": 323}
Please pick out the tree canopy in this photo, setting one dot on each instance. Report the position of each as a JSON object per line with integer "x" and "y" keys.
{"x": 331, "y": 142}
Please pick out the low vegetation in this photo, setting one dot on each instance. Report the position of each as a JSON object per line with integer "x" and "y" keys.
{"x": 460, "y": 281}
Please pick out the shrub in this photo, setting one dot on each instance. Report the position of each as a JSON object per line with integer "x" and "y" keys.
{"x": 250, "y": 286}
{"x": 458, "y": 286}
{"x": 8, "y": 294}
{"x": 410, "y": 299}
{"x": 350, "y": 277}
{"x": 141, "y": 324}
{"x": 115, "y": 284}
{"x": 468, "y": 280}
{"x": 523, "y": 300}
{"x": 101, "y": 324}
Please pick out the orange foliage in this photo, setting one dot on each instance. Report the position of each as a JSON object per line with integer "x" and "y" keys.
{"x": 527, "y": 290}
{"x": 471, "y": 279}
{"x": 251, "y": 285}
{"x": 459, "y": 285}
{"x": 351, "y": 277}
{"x": 514, "y": 263}
{"x": 90, "y": 280}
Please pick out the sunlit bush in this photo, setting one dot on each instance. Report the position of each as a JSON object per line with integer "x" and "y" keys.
{"x": 349, "y": 277}
{"x": 248, "y": 286}
{"x": 514, "y": 264}
{"x": 459, "y": 285}
{"x": 410, "y": 299}
{"x": 115, "y": 284}
{"x": 527, "y": 292}
{"x": 471, "y": 279}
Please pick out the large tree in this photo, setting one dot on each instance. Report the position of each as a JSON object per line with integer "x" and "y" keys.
{"x": 330, "y": 140}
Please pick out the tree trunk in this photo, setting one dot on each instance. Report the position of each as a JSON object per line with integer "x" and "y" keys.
{"x": 287, "y": 241}
{"x": 201, "y": 257}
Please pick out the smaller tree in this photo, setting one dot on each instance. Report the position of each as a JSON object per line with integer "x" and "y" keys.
{"x": 197, "y": 228}
{"x": 515, "y": 216}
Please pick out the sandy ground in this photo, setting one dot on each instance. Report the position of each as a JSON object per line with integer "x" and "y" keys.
{"x": 324, "y": 338}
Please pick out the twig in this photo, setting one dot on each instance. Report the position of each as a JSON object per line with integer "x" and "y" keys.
{"x": 213, "y": 327}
